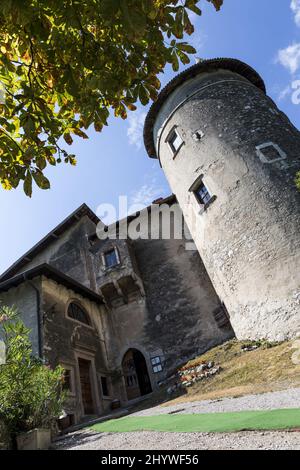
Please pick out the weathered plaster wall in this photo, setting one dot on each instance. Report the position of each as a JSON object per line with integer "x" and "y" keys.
{"x": 174, "y": 317}
{"x": 24, "y": 299}
{"x": 69, "y": 253}
{"x": 66, "y": 339}
{"x": 249, "y": 237}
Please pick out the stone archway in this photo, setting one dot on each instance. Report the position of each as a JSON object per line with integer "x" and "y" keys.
{"x": 136, "y": 374}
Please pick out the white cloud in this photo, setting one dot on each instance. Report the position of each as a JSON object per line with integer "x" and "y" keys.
{"x": 284, "y": 93}
{"x": 290, "y": 57}
{"x": 295, "y": 6}
{"x": 136, "y": 121}
{"x": 145, "y": 195}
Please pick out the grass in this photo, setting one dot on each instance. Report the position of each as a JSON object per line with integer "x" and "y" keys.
{"x": 265, "y": 369}
{"x": 210, "y": 422}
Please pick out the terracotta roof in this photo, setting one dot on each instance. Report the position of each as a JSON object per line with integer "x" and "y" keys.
{"x": 44, "y": 242}
{"x": 51, "y": 273}
{"x": 210, "y": 65}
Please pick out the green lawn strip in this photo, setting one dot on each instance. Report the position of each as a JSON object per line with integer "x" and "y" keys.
{"x": 206, "y": 422}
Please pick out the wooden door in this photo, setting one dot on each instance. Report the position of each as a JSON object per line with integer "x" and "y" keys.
{"x": 130, "y": 375}
{"x": 86, "y": 388}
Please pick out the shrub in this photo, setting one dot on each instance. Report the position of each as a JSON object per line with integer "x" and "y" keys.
{"x": 31, "y": 394}
{"x": 298, "y": 180}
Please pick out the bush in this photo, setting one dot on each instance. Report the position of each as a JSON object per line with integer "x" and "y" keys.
{"x": 298, "y": 180}
{"x": 31, "y": 394}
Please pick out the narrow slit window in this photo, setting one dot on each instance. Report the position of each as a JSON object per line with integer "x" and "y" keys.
{"x": 104, "y": 386}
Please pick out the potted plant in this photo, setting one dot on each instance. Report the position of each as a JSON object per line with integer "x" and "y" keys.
{"x": 31, "y": 394}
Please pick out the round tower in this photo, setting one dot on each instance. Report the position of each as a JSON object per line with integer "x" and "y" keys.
{"x": 230, "y": 157}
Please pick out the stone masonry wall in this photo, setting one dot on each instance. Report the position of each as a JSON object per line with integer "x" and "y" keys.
{"x": 249, "y": 236}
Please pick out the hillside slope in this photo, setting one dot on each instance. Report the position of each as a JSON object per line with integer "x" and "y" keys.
{"x": 269, "y": 367}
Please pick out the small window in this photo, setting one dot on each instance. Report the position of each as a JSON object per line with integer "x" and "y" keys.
{"x": 175, "y": 141}
{"x": 104, "y": 386}
{"x": 111, "y": 258}
{"x": 77, "y": 313}
{"x": 202, "y": 194}
{"x": 156, "y": 364}
{"x": 270, "y": 153}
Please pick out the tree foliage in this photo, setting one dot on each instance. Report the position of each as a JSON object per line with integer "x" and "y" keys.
{"x": 30, "y": 392}
{"x": 67, "y": 64}
{"x": 298, "y": 180}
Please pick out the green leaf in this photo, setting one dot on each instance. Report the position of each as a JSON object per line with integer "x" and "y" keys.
{"x": 68, "y": 138}
{"x": 183, "y": 46}
{"x": 41, "y": 180}
{"x": 143, "y": 95}
{"x": 175, "y": 62}
{"x": 28, "y": 184}
{"x": 40, "y": 163}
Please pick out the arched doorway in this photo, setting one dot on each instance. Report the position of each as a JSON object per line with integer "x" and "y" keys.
{"x": 136, "y": 375}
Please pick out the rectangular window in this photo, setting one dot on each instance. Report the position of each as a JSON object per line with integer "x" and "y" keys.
{"x": 111, "y": 258}
{"x": 156, "y": 364}
{"x": 202, "y": 194}
{"x": 104, "y": 386}
{"x": 175, "y": 141}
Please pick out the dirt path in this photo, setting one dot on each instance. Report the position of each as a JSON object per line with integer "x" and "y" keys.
{"x": 89, "y": 440}
{"x": 86, "y": 439}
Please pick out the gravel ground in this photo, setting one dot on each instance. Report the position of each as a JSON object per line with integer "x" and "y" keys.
{"x": 265, "y": 401}
{"x": 89, "y": 440}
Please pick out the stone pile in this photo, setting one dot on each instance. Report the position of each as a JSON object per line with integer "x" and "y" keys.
{"x": 250, "y": 347}
{"x": 187, "y": 377}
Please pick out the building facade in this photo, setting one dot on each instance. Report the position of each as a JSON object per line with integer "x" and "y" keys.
{"x": 122, "y": 313}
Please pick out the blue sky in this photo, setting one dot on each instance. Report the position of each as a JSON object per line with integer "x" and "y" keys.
{"x": 263, "y": 33}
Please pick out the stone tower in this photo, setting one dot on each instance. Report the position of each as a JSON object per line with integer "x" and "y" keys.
{"x": 230, "y": 156}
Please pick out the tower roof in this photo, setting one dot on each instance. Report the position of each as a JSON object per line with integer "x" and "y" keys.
{"x": 203, "y": 66}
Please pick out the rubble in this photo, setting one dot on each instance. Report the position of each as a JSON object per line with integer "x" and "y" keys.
{"x": 250, "y": 347}
{"x": 186, "y": 377}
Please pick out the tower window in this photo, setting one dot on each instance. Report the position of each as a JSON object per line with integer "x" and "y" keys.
{"x": 175, "y": 141}
{"x": 77, "y": 313}
{"x": 202, "y": 194}
{"x": 270, "y": 153}
{"x": 111, "y": 258}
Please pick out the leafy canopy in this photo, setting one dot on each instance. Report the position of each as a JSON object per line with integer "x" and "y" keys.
{"x": 67, "y": 64}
